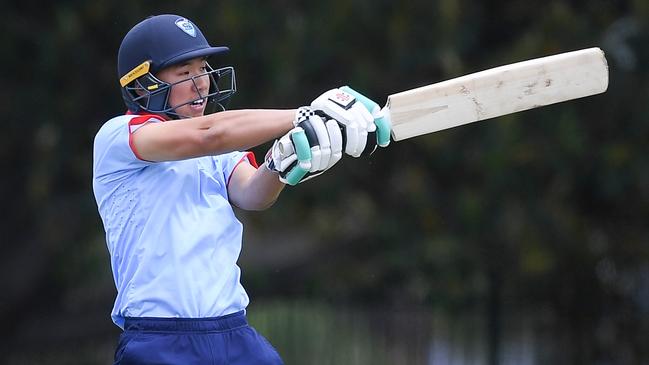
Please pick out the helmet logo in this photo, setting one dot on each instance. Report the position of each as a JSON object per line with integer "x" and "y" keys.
{"x": 186, "y": 26}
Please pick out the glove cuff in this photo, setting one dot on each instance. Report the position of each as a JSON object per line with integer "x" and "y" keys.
{"x": 302, "y": 114}
{"x": 268, "y": 160}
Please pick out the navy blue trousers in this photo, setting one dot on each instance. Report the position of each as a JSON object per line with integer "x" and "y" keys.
{"x": 189, "y": 341}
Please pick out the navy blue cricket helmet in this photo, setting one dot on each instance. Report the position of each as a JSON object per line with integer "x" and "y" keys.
{"x": 158, "y": 42}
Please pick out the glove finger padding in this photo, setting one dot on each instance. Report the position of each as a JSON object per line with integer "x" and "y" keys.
{"x": 290, "y": 156}
{"x": 316, "y": 134}
{"x": 336, "y": 142}
{"x": 382, "y": 123}
{"x": 356, "y": 120}
{"x": 357, "y": 137}
{"x": 304, "y": 156}
{"x": 309, "y": 149}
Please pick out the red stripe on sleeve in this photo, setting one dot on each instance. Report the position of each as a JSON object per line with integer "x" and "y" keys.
{"x": 141, "y": 119}
{"x": 250, "y": 157}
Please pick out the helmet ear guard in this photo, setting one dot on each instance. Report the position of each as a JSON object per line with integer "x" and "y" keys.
{"x": 143, "y": 91}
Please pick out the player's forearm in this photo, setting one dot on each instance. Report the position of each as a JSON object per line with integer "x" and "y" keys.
{"x": 212, "y": 134}
{"x": 257, "y": 192}
{"x": 242, "y": 129}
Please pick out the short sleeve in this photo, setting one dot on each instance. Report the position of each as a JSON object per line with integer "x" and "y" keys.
{"x": 113, "y": 148}
{"x": 230, "y": 161}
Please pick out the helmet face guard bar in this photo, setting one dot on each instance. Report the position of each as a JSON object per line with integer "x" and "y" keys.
{"x": 150, "y": 94}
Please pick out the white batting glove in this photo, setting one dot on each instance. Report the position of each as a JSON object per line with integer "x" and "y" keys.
{"x": 308, "y": 150}
{"x": 360, "y": 117}
{"x": 353, "y": 116}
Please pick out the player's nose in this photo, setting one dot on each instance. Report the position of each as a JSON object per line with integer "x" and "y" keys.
{"x": 201, "y": 83}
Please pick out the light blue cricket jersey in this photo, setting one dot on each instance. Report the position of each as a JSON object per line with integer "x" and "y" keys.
{"x": 171, "y": 232}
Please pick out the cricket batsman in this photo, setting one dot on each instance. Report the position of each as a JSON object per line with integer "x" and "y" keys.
{"x": 167, "y": 174}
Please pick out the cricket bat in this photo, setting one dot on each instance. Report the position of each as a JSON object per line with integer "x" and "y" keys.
{"x": 498, "y": 91}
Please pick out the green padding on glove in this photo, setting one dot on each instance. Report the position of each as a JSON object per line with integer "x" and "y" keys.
{"x": 302, "y": 148}
{"x": 369, "y": 104}
{"x": 295, "y": 175}
{"x": 303, "y": 152}
{"x": 383, "y": 129}
{"x": 382, "y": 124}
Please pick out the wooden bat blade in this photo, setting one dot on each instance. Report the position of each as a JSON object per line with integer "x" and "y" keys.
{"x": 497, "y": 91}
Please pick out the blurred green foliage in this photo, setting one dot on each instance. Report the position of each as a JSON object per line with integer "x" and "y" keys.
{"x": 540, "y": 210}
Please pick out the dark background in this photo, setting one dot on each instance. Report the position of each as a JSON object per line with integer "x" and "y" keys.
{"x": 541, "y": 213}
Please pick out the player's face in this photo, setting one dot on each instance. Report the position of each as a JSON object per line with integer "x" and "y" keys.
{"x": 188, "y": 90}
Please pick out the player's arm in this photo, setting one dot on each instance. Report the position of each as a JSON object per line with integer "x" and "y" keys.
{"x": 253, "y": 188}
{"x": 313, "y": 146}
{"x": 211, "y": 134}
